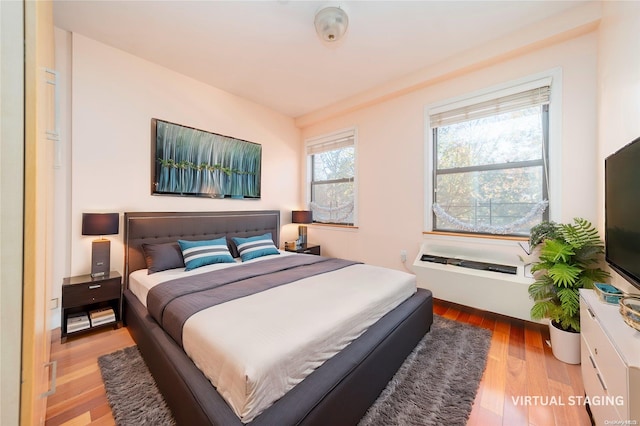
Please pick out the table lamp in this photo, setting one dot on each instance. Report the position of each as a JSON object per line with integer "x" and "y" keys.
{"x": 302, "y": 216}
{"x": 100, "y": 224}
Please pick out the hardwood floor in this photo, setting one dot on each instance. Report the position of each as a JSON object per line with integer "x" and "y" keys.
{"x": 523, "y": 383}
{"x": 80, "y": 397}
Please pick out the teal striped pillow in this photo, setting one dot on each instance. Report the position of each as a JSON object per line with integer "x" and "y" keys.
{"x": 206, "y": 252}
{"x": 252, "y": 247}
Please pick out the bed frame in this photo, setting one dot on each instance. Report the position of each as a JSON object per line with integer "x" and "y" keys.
{"x": 337, "y": 393}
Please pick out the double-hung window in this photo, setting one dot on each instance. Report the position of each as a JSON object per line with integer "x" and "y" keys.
{"x": 490, "y": 163}
{"x": 331, "y": 177}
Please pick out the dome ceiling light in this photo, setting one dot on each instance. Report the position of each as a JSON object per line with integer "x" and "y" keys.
{"x": 331, "y": 24}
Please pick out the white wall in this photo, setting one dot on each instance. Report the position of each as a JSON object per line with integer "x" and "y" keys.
{"x": 391, "y": 151}
{"x": 112, "y": 97}
{"x": 618, "y": 90}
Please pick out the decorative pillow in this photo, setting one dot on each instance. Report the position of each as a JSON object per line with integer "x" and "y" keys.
{"x": 232, "y": 247}
{"x": 206, "y": 252}
{"x": 252, "y": 247}
{"x": 160, "y": 257}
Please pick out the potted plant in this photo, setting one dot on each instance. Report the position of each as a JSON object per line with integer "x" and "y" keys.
{"x": 570, "y": 256}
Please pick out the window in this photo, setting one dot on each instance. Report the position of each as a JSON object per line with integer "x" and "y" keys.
{"x": 331, "y": 171}
{"x": 490, "y": 163}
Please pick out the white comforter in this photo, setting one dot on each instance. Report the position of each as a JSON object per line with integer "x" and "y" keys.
{"x": 256, "y": 348}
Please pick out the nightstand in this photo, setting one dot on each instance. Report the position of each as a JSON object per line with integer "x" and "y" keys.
{"x": 90, "y": 303}
{"x": 307, "y": 249}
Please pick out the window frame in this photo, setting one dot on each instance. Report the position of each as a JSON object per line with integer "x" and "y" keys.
{"x": 329, "y": 138}
{"x": 551, "y": 179}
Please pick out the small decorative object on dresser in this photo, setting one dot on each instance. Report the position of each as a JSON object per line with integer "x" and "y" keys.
{"x": 630, "y": 311}
{"x": 306, "y": 249}
{"x": 89, "y": 303}
{"x": 608, "y": 293}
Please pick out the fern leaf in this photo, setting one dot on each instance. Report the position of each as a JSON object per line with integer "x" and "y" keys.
{"x": 555, "y": 312}
{"x": 564, "y": 275}
{"x": 542, "y": 289}
{"x": 542, "y": 266}
{"x": 592, "y": 275}
{"x": 574, "y": 323}
{"x": 569, "y": 324}
{"x": 540, "y": 310}
{"x": 581, "y": 233}
{"x": 570, "y": 301}
{"x": 556, "y": 251}
{"x": 588, "y": 255}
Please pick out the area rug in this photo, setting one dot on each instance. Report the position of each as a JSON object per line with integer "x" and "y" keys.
{"x": 131, "y": 391}
{"x": 436, "y": 384}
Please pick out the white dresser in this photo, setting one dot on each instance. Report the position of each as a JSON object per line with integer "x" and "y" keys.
{"x": 610, "y": 362}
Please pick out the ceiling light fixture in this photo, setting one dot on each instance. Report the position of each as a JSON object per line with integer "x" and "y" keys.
{"x": 331, "y": 24}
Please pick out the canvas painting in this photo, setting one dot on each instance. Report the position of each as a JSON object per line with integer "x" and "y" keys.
{"x": 192, "y": 162}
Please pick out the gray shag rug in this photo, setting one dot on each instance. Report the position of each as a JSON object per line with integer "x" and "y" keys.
{"x": 438, "y": 382}
{"x": 132, "y": 393}
{"x": 435, "y": 385}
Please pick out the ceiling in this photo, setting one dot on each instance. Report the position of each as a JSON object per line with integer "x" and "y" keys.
{"x": 268, "y": 51}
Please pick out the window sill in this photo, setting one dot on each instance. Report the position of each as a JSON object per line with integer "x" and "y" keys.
{"x": 486, "y": 237}
{"x": 333, "y": 225}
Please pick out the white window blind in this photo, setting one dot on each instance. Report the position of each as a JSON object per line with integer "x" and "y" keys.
{"x": 529, "y": 98}
{"x": 331, "y": 142}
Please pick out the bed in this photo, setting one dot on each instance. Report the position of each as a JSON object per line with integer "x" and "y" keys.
{"x": 338, "y": 392}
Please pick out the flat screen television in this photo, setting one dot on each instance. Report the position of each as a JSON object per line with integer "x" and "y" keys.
{"x": 622, "y": 212}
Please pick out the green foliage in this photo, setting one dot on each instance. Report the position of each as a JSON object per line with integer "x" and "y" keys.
{"x": 570, "y": 256}
{"x": 542, "y": 289}
{"x": 540, "y": 232}
{"x": 556, "y": 250}
{"x": 580, "y": 234}
{"x": 564, "y": 274}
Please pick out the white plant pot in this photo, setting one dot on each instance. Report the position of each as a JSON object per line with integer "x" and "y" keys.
{"x": 565, "y": 344}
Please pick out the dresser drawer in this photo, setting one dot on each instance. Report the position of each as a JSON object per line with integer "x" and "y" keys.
{"x": 600, "y": 355}
{"x": 594, "y": 388}
{"x": 91, "y": 292}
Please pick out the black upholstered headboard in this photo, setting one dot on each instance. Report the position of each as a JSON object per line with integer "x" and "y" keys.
{"x": 164, "y": 227}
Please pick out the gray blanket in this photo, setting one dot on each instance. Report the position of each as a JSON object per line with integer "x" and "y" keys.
{"x": 171, "y": 303}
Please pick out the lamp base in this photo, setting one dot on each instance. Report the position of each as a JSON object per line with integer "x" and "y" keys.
{"x": 100, "y": 258}
{"x": 302, "y": 236}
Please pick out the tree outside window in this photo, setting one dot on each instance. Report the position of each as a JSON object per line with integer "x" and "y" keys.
{"x": 490, "y": 172}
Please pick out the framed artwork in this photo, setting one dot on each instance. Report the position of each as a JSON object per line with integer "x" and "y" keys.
{"x": 192, "y": 162}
